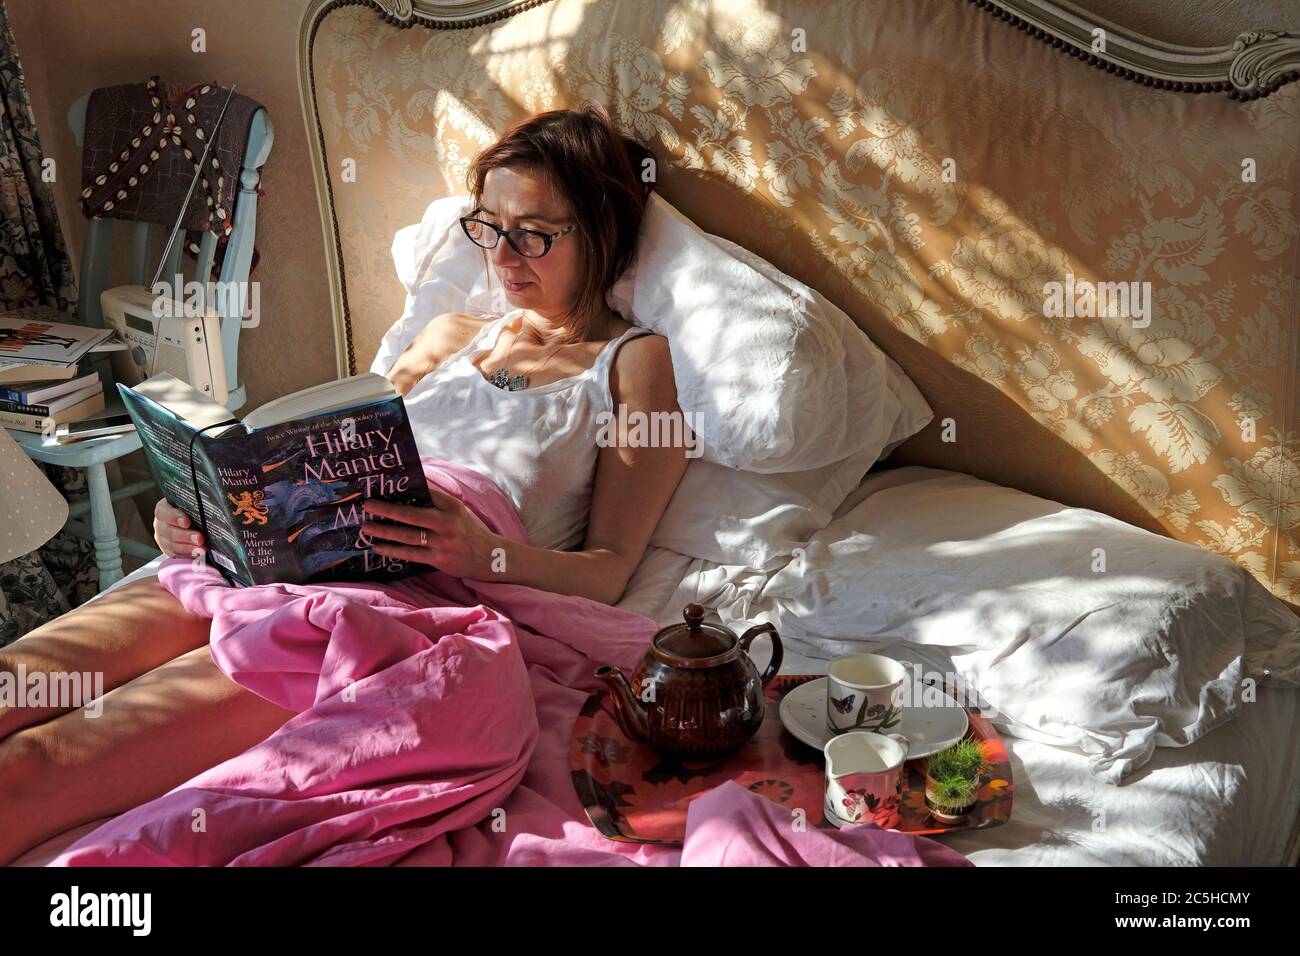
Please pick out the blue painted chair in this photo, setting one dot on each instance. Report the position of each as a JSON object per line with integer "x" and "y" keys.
{"x": 94, "y": 453}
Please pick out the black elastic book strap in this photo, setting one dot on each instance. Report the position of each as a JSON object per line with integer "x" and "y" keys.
{"x": 203, "y": 516}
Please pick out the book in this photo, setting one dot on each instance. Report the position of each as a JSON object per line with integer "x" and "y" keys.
{"x": 53, "y": 405}
{"x": 34, "y": 393}
{"x": 34, "y": 337}
{"x": 47, "y": 423}
{"x": 18, "y": 373}
{"x": 279, "y": 494}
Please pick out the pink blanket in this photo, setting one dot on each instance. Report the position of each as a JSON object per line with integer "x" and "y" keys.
{"x": 432, "y": 727}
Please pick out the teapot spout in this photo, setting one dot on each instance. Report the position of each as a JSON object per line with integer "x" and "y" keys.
{"x": 628, "y": 709}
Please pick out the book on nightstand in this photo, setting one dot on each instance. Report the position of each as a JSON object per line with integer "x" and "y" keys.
{"x": 39, "y": 411}
{"x": 279, "y": 494}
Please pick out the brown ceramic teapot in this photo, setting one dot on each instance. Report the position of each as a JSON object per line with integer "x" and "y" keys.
{"x": 696, "y": 694}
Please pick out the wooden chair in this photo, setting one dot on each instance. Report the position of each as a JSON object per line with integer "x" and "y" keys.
{"x": 94, "y": 453}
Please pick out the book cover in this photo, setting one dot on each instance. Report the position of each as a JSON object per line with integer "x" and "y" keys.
{"x": 283, "y": 504}
{"x": 30, "y": 336}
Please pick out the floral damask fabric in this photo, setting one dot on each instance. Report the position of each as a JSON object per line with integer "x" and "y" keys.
{"x": 933, "y": 172}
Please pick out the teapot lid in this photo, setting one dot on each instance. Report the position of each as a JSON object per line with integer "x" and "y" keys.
{"x": 694, "y": 640}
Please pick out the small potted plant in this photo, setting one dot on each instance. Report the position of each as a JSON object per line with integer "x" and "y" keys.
{"x": 952, "y": 780}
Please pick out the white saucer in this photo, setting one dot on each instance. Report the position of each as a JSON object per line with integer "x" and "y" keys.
{"x": 927, "y": 729}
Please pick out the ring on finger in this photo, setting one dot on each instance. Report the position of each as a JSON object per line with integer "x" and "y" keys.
{"x": 424, "y": 538}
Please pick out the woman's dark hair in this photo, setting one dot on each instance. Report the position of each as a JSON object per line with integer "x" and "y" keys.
{"x": 598, "y": 172}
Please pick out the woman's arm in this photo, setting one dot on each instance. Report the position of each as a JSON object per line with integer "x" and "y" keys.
{"x": 632, "y": 488}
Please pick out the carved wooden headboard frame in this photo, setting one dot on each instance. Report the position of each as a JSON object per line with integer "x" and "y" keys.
{"x": 1255, "y": 64}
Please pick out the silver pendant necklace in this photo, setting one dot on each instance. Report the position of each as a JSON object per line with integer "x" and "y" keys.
{"x": 502, "y": 378}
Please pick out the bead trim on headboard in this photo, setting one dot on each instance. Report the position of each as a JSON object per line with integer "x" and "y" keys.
{"x": 1256, "y": 64}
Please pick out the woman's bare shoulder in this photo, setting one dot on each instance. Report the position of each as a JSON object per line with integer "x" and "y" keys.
{"x": 441, "y": 338}
{"x": 643, "y": 372}
{"x": 454, "y": 329}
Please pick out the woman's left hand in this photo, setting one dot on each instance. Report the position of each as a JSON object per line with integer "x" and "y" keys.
{"x": 454, "y": 540}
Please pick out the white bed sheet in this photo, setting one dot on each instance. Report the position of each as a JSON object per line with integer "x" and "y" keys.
{"x": 1231, "y": 798}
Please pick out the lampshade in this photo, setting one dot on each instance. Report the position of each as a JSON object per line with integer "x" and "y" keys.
{"x": 31, "y": 509}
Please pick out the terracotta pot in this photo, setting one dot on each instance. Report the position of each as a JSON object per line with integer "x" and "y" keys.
{"x": 948, "y": 815}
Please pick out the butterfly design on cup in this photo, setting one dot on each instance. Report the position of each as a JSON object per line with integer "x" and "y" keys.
{"x": 844, "y": 704}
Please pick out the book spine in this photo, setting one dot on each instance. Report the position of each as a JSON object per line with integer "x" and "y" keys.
{"x": 167, "y": 442}
{"x": 21, "y": 396}
{"x": 226, "y": 542}
{"x": 78, "y": 411}
{"x": 8, "y": 358}
{"x": 24, "y": 422}
{"x": 20, "y": 408}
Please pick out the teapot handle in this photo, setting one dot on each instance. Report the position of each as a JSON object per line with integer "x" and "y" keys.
{"x": 778, "y": 653}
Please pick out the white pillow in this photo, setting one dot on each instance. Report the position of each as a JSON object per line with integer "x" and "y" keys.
{"x": 779, "y": 379}
{"x": 439, "y": 275}
{"x": 1151, "y": 651}
{"x": 793, "y": 402}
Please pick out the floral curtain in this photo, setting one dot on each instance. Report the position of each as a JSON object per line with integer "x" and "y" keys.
{"x": 34, "y": 270}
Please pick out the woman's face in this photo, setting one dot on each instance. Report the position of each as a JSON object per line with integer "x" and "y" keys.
{"x": 522, "y": 199}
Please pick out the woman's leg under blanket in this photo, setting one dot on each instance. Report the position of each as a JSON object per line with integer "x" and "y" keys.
{"x": 153, "y": 734}
{"x": 120, "y": 636}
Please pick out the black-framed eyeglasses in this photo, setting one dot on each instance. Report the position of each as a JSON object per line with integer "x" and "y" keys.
{"x": 529, "y": 243}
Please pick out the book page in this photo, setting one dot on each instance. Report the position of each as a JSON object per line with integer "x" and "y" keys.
{"x": 320, "y": 399}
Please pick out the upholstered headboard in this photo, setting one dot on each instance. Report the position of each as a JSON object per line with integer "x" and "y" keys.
{"x": 931, "y": 166}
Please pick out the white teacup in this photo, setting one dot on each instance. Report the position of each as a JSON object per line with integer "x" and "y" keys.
{"x": 862, "y": 778}
{"x": 864, "y": 692}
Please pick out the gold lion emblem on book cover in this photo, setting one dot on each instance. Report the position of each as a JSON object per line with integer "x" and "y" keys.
{"x": 248, "y": 505}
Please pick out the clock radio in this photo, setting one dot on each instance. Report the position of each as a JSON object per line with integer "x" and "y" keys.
{"x": 162, "y": 336}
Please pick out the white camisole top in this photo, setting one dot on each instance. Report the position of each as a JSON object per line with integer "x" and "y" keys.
{"x": 538, "y": 444}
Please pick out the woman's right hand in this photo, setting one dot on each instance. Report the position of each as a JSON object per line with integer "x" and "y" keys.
{"x": 173, "y": 531}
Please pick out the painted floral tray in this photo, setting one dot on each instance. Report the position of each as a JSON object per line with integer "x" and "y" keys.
{"x": 634, "y": 795}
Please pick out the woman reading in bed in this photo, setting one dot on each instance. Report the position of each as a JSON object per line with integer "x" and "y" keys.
{"x": 517, "y": 397}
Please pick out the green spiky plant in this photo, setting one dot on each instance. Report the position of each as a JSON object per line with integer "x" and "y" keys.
{"x": 953, "y": 775}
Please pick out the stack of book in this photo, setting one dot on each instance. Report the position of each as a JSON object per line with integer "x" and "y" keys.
{"x": 43, "y": 405}
{"x": 40, "y": 384}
